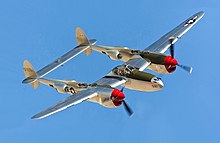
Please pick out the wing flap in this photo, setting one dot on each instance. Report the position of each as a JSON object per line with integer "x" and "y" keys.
{"x": 67, "y": 102}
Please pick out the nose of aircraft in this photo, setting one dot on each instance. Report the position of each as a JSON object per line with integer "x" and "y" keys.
{"x": 158, "y": 81}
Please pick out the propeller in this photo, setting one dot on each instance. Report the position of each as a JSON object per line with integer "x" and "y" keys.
{"x": 171, "y": 47}
{"x": 122, "y": 89}
{"x": 128, "y": 109}
{"x": 186, "y": 68}
{"x": 126, "y": 106}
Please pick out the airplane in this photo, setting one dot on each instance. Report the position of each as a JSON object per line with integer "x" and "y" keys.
{"x": 154, "y": 54}
{"x": 104, "y": 92}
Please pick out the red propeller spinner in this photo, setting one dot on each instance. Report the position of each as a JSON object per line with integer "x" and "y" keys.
{"x": 117, "y": 97}
{"x": 170, "y": 64}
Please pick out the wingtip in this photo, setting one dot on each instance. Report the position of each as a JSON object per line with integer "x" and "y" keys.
{"x": 200, "y": 14}
{"x": 35, "y": 117}
{"x": 191, "y": 70}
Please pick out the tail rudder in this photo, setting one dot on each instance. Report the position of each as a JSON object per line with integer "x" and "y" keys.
{"x": 30, "y": 74}
{"x": 82, "y": 39}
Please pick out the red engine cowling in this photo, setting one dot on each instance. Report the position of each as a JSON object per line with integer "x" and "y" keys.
{"x": 170, "y": 64}
{"x": 117, "y": 97}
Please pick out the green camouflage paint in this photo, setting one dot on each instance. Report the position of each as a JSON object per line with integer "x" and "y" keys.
{"x": 140, "y": 75}
{"x": 153, "y": 57}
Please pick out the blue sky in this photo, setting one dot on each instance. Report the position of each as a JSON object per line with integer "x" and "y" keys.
{"x": 186, "y": 110}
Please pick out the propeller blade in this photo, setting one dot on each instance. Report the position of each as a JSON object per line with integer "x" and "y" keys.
{"x": 171, "y": 47}
{"x": 122, "y": 89}
{"x": 128, "y": 109}
{"x": 172, "y": 51}
{"x": 186, "y": 68}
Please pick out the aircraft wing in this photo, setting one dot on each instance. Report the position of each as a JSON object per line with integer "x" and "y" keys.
{"x": 161, "y": 45}
{"x": 67, "y": 102}
{"x": 81, "y": 96}
{"x": 111, "y": 80}
{"x": 139, "y": 63}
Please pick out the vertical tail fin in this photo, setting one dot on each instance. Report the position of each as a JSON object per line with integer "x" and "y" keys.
{"x": 30, "y": 74}
{"x": 82, "y": 39}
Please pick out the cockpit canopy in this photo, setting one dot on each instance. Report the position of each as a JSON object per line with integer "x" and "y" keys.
{"x": 123, "y": 70}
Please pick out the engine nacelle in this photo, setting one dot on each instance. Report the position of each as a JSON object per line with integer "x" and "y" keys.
{"x": 138, "y": 80}
{"x": 108, "y": 97}
{"x": 160, "y": 63}
{"x": 114, "y": 55}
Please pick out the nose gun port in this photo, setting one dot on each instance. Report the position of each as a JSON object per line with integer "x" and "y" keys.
{"x": 158, "y": 81}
